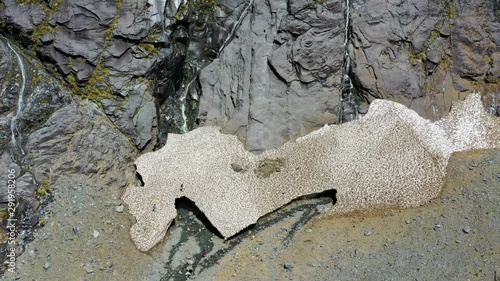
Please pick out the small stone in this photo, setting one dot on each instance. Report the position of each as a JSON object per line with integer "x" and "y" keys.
{"x": 32, "y": 253}
{"x": 76, "y": 231}
{"x": 368, "y": 233}
{"x": 190, "y": 262}
{"x": 408, "y": 221}
{"x": 466, "y": 230}
{"x": 96, "y": 233}
{"x": 287, "y": 265}
{"x": 437, "y": 227}
{"x": 119, "y": 209}
{"x": 46, "y": 265}
{"x": 89, "y": 268}
{"x": 236, "y": 167}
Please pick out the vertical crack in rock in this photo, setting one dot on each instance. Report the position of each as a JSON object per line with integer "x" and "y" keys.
{"x": 348, "y": 104}
{"x": 235, "y": 26}
{"x": 198, "y": 32}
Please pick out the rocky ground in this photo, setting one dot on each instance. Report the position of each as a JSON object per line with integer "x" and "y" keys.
{"x": 455, "y": 237}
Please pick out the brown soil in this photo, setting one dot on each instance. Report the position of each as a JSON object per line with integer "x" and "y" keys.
{"x": 454, "y": 237}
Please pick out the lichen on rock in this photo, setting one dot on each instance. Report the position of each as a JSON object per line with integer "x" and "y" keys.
{"x": 392, "y": 157}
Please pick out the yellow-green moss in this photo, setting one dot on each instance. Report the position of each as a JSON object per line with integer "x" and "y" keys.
{"x": 41, "y": 192}
{"x": 43, "y": 188}
{"x": 27, "y": 1}
{"x": 44, "y": 27}
{"x": 179, "y": 15}
{"x": 4, "y": 215}
{"x": 36, "y": 77}
{"x": 435, "y": 34}
{"x": 145, "y": 81}
{"x": 452, "y": 13}
{"x": 153, "y": 36}
{"x": 108, "y": 33}
{"x": 73, "y": 84}
{"x": 97, "y": 86}
{"x": 204, "y": 7}
{"x": 43, "y": 221}
{"x": 266, "y": 167}
{"x": 148, "y": 47}
{"x": 45, "y": 185}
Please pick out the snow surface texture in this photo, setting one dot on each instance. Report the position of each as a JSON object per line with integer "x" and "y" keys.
{"x": 390, "y": 158}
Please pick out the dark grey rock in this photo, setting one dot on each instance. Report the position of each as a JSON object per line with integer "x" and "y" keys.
{"x": 18, "y": 14}
{"x": 236, "y": 167}
{"x": 86, "y": 43}
{"x": 130, "y": 64}
{"x": 494, "y": 72}
{"x": 293, "y": 25}
{"x": 37, "y": 14}
{"x": 117, "y": 48}
{"x": 268, "y": 87}
{"x": 79, "y": 139}
{"x": 135, "y": 117}
{"x": 86, "y": 15}
{"x": 83, "y": 71}
{"x": 471, "y": 50}
{"x": 138, "y": 18}
{"x": 281, "y": 62}
{"x": 314, "y": 56}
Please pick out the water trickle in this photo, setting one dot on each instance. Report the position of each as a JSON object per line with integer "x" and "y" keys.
{"x": 183, "y": 102}
{"x": 348, "y": 105}
{"x": 235, "y": 26}
{"x": 434, "y": 108}
{"x": 15, "y": 131}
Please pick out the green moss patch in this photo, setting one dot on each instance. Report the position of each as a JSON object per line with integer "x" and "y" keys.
{"x": 267, "y": 167}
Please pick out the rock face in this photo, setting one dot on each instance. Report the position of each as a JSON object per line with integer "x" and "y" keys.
{"x": 390, "y": 158}
{"x": 47, "y": 132}
{"x": 267, "y": 71}
{"x": 424, "y": 54}
{"x": 278, "y": 78}
{"x": 103, "y": 49}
